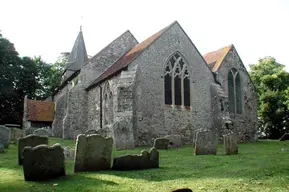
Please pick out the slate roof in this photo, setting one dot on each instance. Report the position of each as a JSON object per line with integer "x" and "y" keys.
{"x": 78, "y": 55}
{"x": 40, "y": 110}
{"x": 125, "y": 60}
{"x": 214, "y": 59}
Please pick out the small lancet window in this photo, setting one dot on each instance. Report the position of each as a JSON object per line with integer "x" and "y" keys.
{"x": 235, "y": 92}
{"x": 177, "y": 81}
{"x": 107, "y": 105}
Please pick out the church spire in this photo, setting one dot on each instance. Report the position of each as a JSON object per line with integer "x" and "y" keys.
{"x": 78, "y": 55}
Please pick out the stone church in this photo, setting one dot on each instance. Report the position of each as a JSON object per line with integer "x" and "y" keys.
{"x": 136, "y": 92}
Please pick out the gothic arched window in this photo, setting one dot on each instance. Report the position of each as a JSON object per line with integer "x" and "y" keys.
{"x": 235, "y": 92}
{"x": 177, "y": 81}
{"x": 107, "y": 105}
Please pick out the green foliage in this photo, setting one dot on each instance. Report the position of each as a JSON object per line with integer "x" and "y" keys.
{"x": 258, "y": 167}
{"x": 272, "y": 83}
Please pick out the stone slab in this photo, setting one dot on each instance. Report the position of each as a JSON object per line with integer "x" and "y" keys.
{"x": 145, "y": 160}
{"x": 43, "y": 162}
{"x": 41, "y": 132}
{"x": 161, "y": 143}
{"x": 93, "y": 153}
{"x": 30, "y": 141}
{"x": 5, "y": 134}
{"x": 206, "y": 143}
{"x": 230, "y": 144}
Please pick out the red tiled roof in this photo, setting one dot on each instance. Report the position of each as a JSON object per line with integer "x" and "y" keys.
{"x": 40, "y": 110}
{"x": 126, "y": 59}
{"x": 214, "y": 59}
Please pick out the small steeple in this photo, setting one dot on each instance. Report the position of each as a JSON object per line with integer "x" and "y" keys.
{"x": 78, "y": 55}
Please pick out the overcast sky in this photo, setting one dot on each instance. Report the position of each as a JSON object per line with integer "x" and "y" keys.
{"x": 257, "y": 28}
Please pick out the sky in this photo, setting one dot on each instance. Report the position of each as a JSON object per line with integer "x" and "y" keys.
{"x": 46, "y": 28}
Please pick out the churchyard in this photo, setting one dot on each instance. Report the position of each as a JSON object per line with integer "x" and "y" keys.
{"x": 259, "y": 166}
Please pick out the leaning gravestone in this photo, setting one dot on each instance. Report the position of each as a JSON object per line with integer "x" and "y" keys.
{"x": 161, "y": 143}
{"x": 175, "y": 141}
{"x": 206, "y": 143}
{"x": 230, "y": 144}
{"x": 5, "y": 136}
{"x": 16, "y": 133}
{"x": 1, "y": 148}
{"x": 145, "y": 160}
{"x": 43, "y": 162}
{"x": 41, "y": 132}
{"x": 93, "y": 153}
{"x": 31, "y": 141}
{"x": 285, "y": 137}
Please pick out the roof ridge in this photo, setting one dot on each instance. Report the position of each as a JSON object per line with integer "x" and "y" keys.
{"x": 129, "y": 56}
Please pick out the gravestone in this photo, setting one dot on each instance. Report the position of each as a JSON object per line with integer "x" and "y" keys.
{"x": 161, "y": 143}
{"x": 93, "y": 153}
{"x": 175, "y": 141}
{"x": 31, "y": 141}
{"x": 41, "y": 132}
{"x": 230, "y": 144}
{"x": 68, "y": 153}
{"x": 123, "y": 135}
{"x": 145, "y": 160}
{"x": 91, "y": 131}
{"x": 43, "y": 162}
{"x": 285, "y": 137}
{"x": 16, "y": 133}
{"x": 1, "y": 148}
{"x": 206, "y": 143}
{"x": 5, "y": 136}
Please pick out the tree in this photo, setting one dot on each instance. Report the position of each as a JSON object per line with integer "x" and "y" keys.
{"x": 17, "y": 79}
{"x": 272, "y": 84}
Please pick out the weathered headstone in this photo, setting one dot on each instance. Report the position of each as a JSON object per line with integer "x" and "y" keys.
{"x": 123, "y": 135}
{"x": 230, "y": 144}
{"x": 43, "y": 162}
{"x": 161, "y": 143}
{"x": 93, "y": 153}
{"x": 68, "y": 153}
{"x": 206, "y": 143}
{"x": 145, "y": 160}
{"x": 1, "y": 148}
{"x": 41, "y": 132}
{"x": 16, "y": 133}
{"x": 91, "y": 131}
{"x": 175, "y": 141}
{"x": 285, "y": 137}
{"x": 30, "y": 141}
{"x": 5, "y": 136}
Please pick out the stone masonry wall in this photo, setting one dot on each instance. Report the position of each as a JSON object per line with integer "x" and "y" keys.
{"x": 245, "y": 124}
{"x": 151, "y": 117}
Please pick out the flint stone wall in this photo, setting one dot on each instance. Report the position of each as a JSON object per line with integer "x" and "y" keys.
{"x": 93, "y": 153}
{"x": 145, "y": 160}
{"x": 29, "y": 141}
{"x": 43, "y": 162}
{"x": 5, "y": 134}
{"x": 230, "y": 145}
{"x": 206, "y": 143}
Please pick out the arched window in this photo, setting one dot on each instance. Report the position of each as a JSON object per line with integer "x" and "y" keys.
{"x": 235, "y": 92}
{"x": 107, "y": 105}
{"x": 177, "y": 81}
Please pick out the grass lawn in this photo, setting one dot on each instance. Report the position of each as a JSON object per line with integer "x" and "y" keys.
{"x": 260, "y": 166}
